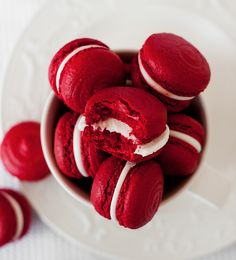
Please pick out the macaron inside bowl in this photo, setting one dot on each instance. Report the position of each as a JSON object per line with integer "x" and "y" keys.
{"x": 182, "y": 153}
{"x": 172, "y": 69}
{"x": 81, "y": 68}
{"x": 75, "y": 157}
{"x": 127, "y": 193}
{"x": 126, "y": 122}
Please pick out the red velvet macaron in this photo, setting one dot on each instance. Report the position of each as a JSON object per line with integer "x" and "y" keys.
{"x": 81, "y": 68}
{"x": 75, "y": 157}
{"x": 126, "y": 122}
{"x": 182, "y": 153}
{"x": 128, "y": 193}
{"x": 22, "y": 154}
{"x": 172, "y": 69}
{"x": 15, "y": 215}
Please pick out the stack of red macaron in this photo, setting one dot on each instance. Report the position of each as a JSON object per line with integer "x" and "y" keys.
{"x": 125, "y": 124}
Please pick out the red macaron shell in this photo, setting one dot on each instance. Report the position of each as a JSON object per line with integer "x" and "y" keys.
{"x": 187, "y": 125}
{"x": 138, "y": 81}
{"x": 92, "y": 158}
{"x": 178, "y": 157}
{"x": 22, "y": 154}
{"x": 175, "y": 64}
{"x": 104, "y": 184}
{"x": 8, "y": 222}
{"x": 140, "y": 194}
{"x": 25, "y": 207}
{"x": 62, "y": 53}
{"x": 63, "y": 145}
{"x": 135, "y": 107}
{"x": 86, "y": 73}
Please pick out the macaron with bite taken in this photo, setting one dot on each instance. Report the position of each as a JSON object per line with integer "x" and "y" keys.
{"x": 126, "y": 122}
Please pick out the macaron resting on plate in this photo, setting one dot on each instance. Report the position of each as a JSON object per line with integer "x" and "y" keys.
{"x": 15, "y": 216}
{"x": 22, "y": 154}
{"x": 126, "y": 122}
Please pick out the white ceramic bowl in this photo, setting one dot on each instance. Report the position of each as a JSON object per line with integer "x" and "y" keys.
{"x": 52, "y": 112}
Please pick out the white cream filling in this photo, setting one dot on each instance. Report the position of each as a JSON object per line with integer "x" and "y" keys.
{"x": 117, "y": 126}
{"x": 155, "y": 145}
{"x": 77, "y": 148}
{"x": 187, "y": 139}
{"x": 19, "y": 215}
{"x": 69, "y": 56}
{"x": 117, "y": 189}
{"x": 158, "y": 87}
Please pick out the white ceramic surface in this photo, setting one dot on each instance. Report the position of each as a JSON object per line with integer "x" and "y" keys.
{"x": 184, "y": 227}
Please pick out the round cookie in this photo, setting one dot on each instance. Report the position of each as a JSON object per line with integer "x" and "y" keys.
{"x": 81, "y": 68}
{"x": 75, "y": 157}
{"x": 126, "y": 122}
{"x": 172, "y": 69}
{"x": 22, "y": 154}
{"x": 15, "y": 215}
{"x": 182, "y": 153}
{"x": 127, "y": 193}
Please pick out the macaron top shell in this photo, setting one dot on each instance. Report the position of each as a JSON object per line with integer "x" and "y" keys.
{"x": 175, "y": 64}
{"x": 22, "y": 154}
{"x": 144, "y": 113}
{"x": 87, "y": 72}
{"x": 61, "y": 55}
{"x": 187, "y": 125}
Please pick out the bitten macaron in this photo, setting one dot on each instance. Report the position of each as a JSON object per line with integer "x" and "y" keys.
{"x": 22, "y": 154}
{"x": 182, "y": 153}
{"x": 127, "y": 193}
{"x": 171, "y": 68}
{"x": 15, "y": 216}
{"x": 126, "y": 122}
{"x": 82, "y": 67}
{"x": 75, "y": 157}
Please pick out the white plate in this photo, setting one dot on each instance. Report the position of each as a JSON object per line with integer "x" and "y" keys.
{"x": 186, "y": 227}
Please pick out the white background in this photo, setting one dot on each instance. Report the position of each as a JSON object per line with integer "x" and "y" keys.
{"x": 41, "y": 243}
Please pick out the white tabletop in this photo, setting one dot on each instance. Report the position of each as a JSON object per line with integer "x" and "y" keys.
{"x": 42, "y": 243}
